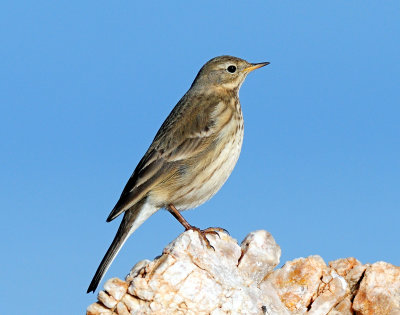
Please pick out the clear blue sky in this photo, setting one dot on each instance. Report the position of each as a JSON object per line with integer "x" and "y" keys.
{"x": 86, "y": 85}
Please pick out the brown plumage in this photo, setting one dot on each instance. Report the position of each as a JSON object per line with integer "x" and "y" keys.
{"x": 191, "y": 156}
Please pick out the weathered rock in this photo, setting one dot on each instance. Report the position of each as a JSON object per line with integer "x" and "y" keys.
{"x": 379, "y": 292}
{"x": 297, "y": 282}
{"x": 332, "y": 290}
{"x": 189, "y": 278}
{"x": 260, "y": 255}
{"x": 350, "y": 269}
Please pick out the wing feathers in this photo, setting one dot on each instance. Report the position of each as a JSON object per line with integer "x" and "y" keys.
{"x": 172, "y": 144}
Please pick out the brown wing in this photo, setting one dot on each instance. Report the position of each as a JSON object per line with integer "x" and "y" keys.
{"x": 184, "y": 134}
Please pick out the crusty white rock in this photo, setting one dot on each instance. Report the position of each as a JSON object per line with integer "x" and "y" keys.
{"x": 189, "y": 278}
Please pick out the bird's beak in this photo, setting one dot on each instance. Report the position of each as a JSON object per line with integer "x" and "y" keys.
{"x": 255, "y": 66}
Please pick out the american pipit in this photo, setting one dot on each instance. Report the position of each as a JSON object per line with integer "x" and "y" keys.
{"x": 191, "y": 156}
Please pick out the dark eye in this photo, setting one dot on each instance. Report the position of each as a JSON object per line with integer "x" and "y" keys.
{"x": 231, "y": 69}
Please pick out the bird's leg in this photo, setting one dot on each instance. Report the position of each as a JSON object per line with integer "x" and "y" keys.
{"x": 171, "y": 208}
{"x": 202, "y": 233}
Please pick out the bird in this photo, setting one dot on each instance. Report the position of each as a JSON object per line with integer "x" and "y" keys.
{"x": 191, "y": 156}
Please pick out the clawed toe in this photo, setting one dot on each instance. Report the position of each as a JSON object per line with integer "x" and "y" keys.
{"x": 203, "y": 236}
{"x": 216, "y": 230}
{"x": 210, "y": 230}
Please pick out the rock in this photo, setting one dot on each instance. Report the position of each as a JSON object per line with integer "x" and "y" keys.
{"x": 260, "y": 255}
{"x": 331, "y": 292}
{"x": 379, "y": 291}
{"x": 350, "y": 269}
{"x": 189, "y": 278}
{"x": 306, "y": 285}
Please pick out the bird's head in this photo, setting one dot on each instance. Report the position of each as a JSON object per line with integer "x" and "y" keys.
{"x": 226, "y": 72}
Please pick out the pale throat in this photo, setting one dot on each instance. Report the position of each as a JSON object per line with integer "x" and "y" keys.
{"x": 235, "y": 84}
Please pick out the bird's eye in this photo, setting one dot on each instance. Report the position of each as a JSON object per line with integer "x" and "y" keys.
{"x": 231, "y": 69}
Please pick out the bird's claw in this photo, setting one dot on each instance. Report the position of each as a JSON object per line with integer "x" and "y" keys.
{"x": 210, "y": 230}
{"x": 217, "y": 229}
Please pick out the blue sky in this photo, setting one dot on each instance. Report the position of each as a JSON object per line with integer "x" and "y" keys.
{"x": 86, "y": 85}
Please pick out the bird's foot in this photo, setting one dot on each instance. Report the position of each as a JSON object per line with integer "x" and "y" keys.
{"x": 217, "y": 229}
{"x": 210, "y": 230}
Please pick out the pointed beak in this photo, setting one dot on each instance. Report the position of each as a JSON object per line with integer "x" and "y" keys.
{"x": 255, "y": 66}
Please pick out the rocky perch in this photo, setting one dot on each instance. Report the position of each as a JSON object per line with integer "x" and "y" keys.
{"x": 188, "y": 278}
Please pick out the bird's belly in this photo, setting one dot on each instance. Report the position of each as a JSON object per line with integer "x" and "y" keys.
{"x": 211, "y": 177}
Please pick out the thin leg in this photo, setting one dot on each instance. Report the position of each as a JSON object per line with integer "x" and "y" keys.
{"x": 171, "y": 208}
{"x": 202, "y": 233}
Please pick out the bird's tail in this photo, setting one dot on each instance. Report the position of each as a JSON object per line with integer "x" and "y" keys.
{"x": 133, "y": 218}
